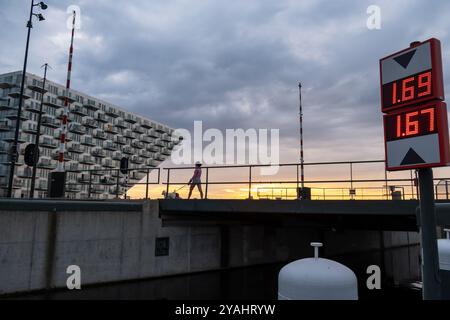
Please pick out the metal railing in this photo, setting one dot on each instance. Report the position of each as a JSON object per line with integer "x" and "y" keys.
{"x": 91, "y": 183}
{"x": 408, "y": 186}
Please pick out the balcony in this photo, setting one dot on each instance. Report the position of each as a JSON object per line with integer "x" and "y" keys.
{"x": 98, "y": 170}
{"x": 159, "y": 157}
{"x": 128, "y": 134}
{"x": 4, "y": 182}
{"x": 110, "y": 146}
{"x": 5, "y": 104}
{"x": 160, "y": 143}
{"x": 9, "y": 137}
{"x": 138, "y": 129}
{"x": 52, "y": 102}
{"x": 4, "y": 147}
{"x": 89, "y": 122}
{"x": 97, "y": 189}
{"x": 73, "y": 167}
{"x": 145, "y": 154}
{"x": 128, "y": 150}
{"x": 146, "y": 124}
{"x": 151, "y": 163}
{"x": 33, "y": 107}
{"x": 115, "y": 190}
{"x": 160, "y": 128}
{"x": 12, "y": 114}
{"x": 72, "y": 187}
{"x": 66, "y": 95}
{"x": 91, "y": 105}
{"x": 41, "y": 185}
{"x": 46, "y": 163}
{"x": 136, "y": 144}
{"x": 87, "y": 160}
{"x": 84, "y": 178}
{"x": 99, "y": 134}
{"x": 165, "y": 151}
{"x": 120, "y": 140}
{"x": 78, "y": 109}
{"x": 28, "y": 127}
{"x": 75, "y": 147}
{"x": 166, "y": 137}
{"x": 134, "y": 175}
{"x": 76, "y": 128}
{"x": 6, "y": 84}
{"x": 15, "y": 93}
{"x": 136, "y": 160}
{"x": 25, "y": 172}
{"x": 98, "y": 152}
{"x": 108, "y": 180}
{"x": 110, "y": 128}
{"x": 145, "y": 139}
{"x": 100, "y": 116}
{"x": 36, "y": 86}
{"x": 112, "y": 112}
{"x": 87, "y": 140}
{"x": 5, "y": 126}
{"x": 153, "y": 134}
{"x": 48, "y": 143}
{"x": 130, "y": 118}
{"x": 108, "y": 163}
{"x": 153, "y": 148}
{"x": 120, "y": 123}
{"x": 49, "y": 121}
{"x": 117, "y": 155}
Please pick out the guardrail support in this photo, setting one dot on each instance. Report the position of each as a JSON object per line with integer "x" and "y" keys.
{"x": 206, "y": 186}
{"x": 250, "y": 183}
{"x": 168, "y": 181}
{"x": 146, "y": 184}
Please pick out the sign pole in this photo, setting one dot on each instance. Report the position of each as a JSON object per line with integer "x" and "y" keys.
{"x": 431, "y": 284}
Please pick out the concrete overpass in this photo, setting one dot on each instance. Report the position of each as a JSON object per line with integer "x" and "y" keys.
{"x": 128, "y": 240}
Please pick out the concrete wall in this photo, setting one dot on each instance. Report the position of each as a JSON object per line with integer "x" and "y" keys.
{"x": 36, "y": 247}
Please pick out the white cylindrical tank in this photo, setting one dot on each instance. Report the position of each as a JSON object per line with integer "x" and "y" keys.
{"x": 317, "y": 279}
{"x": 444, "y": 264}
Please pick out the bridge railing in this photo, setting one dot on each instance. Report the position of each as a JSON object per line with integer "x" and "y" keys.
{"x": 350, "y": 187}
{"x": 350, "y": 183}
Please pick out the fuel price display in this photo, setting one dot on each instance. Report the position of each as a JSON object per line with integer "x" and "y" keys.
{"x": 412, "y": 76}
{"x": 411, "y": 123}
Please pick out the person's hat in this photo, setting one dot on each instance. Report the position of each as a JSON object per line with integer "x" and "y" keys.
{"x": 198, "y": 163}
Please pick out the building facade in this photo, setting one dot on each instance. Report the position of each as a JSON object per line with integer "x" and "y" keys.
{"x": 99, "y": 136}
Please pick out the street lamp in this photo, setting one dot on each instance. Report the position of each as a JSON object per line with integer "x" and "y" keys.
{"x": 14, "y": 147}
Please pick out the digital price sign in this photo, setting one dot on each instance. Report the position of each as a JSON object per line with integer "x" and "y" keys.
{"x": 412, "y": 76}
{"x": 417, "y": 137}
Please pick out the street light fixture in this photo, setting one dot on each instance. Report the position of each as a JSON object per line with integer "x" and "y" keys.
{"x": 14, "y": 148}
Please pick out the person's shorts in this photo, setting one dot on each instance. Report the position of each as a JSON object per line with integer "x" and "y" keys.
{"x": 196, "y": 182}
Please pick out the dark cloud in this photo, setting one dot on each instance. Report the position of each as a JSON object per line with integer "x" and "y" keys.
{"x": 235, "y": 64}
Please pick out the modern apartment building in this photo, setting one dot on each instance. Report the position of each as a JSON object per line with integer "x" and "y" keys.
{"x": 99, "y": 135}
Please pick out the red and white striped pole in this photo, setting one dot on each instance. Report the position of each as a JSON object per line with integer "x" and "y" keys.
{"x": 302, "y": 160}
{"x": 62, "y": 146}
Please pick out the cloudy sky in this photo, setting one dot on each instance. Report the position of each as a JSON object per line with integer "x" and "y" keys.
{"x": 234, "y": 64}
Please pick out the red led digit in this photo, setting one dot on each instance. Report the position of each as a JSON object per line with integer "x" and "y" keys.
{"x": 430, "y": 112}
{"x": 412, "y": 127}
{"x": 394, "y": 93}
{"x": 424, "y": 81}
{"x": 407, "y": 92}
{"x": 399, "y": 126}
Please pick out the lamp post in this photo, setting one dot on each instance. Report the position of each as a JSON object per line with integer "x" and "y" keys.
{"x": 38, "y": 134}
{"x": 14, "y": 147}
